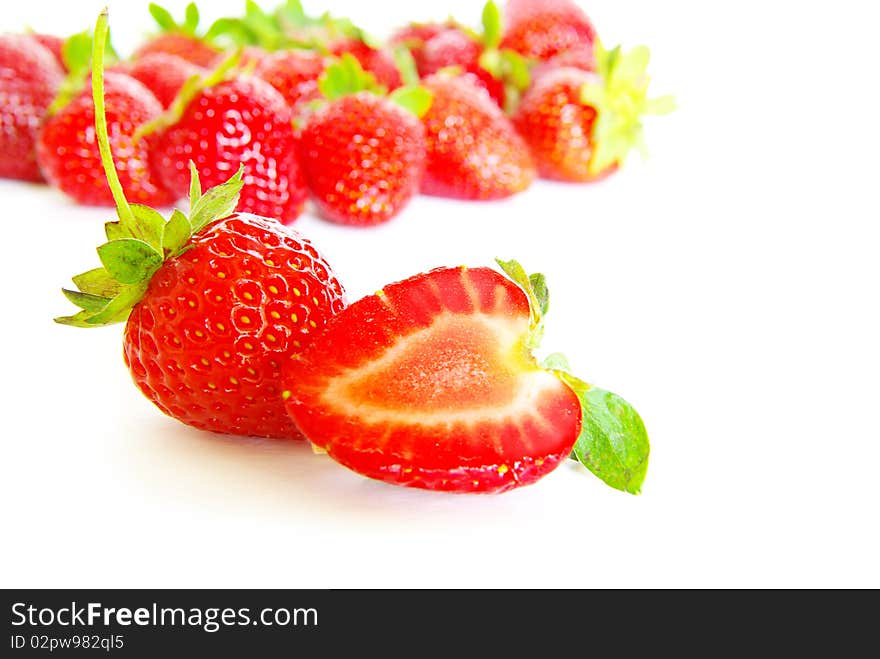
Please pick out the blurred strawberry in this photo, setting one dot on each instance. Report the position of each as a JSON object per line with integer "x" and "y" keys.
{"x": 54, "y": 44}
{"x": 29, "y": 80}
{"x": 540, "y": 29}
{"x": 374, "y": 60}
{"x": 294, "y": 73}
{"x": 164, "y": 74}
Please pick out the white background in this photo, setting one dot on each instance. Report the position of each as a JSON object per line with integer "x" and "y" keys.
{"x": 728, "y": 287}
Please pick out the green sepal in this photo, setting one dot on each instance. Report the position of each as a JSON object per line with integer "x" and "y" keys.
{"x": 406, "y": 65}
{"x": 176, "y": 232}
{"x": 510, "y": 68}
{"x": 149, "y": 225}
{"x": 619, "y": 95}
{"x": 492, "y": 25}
{"x": 86, "y": 301}
{"x": 119, "y": 307}
{"x": 613, "y": 443}
{"x": 415, "y": 99}
{"x": 346, "y": 76}
{"x": 163, "y": 17}
{"x": 539, "y": 298}
{"x": 115, "y": 231}
{"x": 217, "y": 203}
{"x": 98, "y": 282}
{"x": 129, "y": 260}
{"x": 195, "y": 186}
{"x": 167, "y": 22}
{"x": 191, "y": 18}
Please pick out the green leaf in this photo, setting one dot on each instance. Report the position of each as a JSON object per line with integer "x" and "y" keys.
{"x": 86, "y": 301}
{"x": 77, "y": 320}
{"x": 77, "y": 53}
{"x": 406, "y": 65}
{"x": 233, "y": 28}
{"x": 129, "y": 260}
{"x": 542, "y": 295}
{"x": 492, "y": 28}
{"x": 191, "y": 21}
{"x": 119, "y": 307}
{"x": 556, "y": 362}
{"x": 150, "y": 225}
{"x": 163, "y": 17}
{"x": 516, "y": 69}
{"x": 176, "y": 232}
{"x": 98, "y": 282}
{"x": 613, "y": 443}
{"x": 346, "y": 76}
{"x": 217, "y": 203}
{"x": 195, "y": 186}
{"x": 537, "y": 305}
{"x": 293, "y": 12}
{"x": 115, "y": 231}
{"x": 416, "y": 99}
{"x": 490, "y": 61}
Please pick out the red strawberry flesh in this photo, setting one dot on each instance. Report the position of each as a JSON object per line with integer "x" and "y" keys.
{"x": 430, "y": 384}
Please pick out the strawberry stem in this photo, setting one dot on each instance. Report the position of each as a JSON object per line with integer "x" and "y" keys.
{"x": 123, "y": 210}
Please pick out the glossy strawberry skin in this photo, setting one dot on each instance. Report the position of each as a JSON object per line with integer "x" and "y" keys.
{"x": 163, "y": 74}
{"x": 29, "y": 80}
{"x": 415, "y": 386}
{"x": 207, "y": 342}
{"x": 294, "y": 73}
{"x": 540, "y": 29}
{"x": 240, "y": 121}
{"x": 558, "y": 127}
{"x": 473, "y": 150}
{"x": 186, "y": 46}
{"x": 68, "y": 152}
{"x": 363, "y": 158}
{"x": 378, "y": 62}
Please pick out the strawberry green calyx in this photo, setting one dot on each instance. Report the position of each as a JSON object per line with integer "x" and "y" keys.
{"x": 346, "y": 76}
{"x": 613, "y": 443}
{"x": 141, "y": 240}
{"x": 166, "y": 21}
{"x": 620, "y": 98}
{"x": 503, "y": 64}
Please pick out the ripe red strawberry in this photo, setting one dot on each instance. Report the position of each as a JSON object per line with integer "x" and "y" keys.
{"x": 68, "y": 151}
{"x": 378, "y": 62}
{"x": 163, "y": 74}
{"x": 179, "y": 39}
{"x": 363, "y": 154}
{"x": 213, "y": 307}
{"x": 294, "y": 73}
{"x": 473, "y": 150}
{"x": 431, "y": 383}
{"x": 244, "y": 121}
{"x": 29, "y": 80}
{"x": 581, "y": 126}
{"x": 541, "y": 29}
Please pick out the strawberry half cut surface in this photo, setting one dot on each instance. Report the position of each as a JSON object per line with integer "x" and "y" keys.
{"x": 431, "y": 383}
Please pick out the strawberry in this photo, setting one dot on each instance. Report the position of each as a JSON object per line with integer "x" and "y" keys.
{"x": 473, "y": 150}
{"x": 219, "y": 125}
{"x": 454, "y": 48}
{"x": 581, "y": 57}
{"x": 179, "y": 39}
{"x": 580, "y": 126}
{"x": 431, "y": 383}
{"x": 294, "y": 73}
{"x": 374, "y": 60}
{"x": 212, "y": 307}
{"x": 29, "y": 80}
{"x": 415, "y": 37}
{"x": 540, "y": 29}
{"x": 163, "y": 74}
{"x": 68, "y": 154}
{"x": 363, "y": 154}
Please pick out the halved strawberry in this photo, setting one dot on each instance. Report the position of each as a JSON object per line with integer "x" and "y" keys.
{"x": 431, "y": 383}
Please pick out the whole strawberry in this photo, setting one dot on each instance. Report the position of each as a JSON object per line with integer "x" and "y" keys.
{"x": 473, "y": 151}
{"x": 540, "y": 29}
{"x": 221, "y": 125}
{"x": 163, "y": 74}
{"x": 581, "y": 126}
{"x": 68, "y": 150}
{"x": 363, "y": 154}
{"x": 213, "y": 307}
{"x": 29, "y": 80}
{"x": 180, "y": 39}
